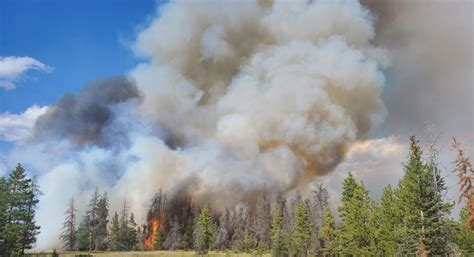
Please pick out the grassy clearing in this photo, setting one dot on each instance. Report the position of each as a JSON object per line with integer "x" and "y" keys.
{"x": 142, "y": 254}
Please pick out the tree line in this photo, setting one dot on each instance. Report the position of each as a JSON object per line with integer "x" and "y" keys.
{"x": 413, "y": 218}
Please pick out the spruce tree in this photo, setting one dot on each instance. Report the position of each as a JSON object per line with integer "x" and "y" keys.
{"x": 358, "y": 213}
{"x": 83, "y": 235}
{"x": 132, "y": 235}
{"x": 69, "y": 233}
{"x": 3, "y": 212}
{"x": 159, "y": 239}
{"x": 328, "y": 234}
{"x": 301, "y": 237}
{"x": 173, "y": 240}
{"x": 20, "y": 227}
{"x": 388, "y": 222}
{"x": 204, "y": 232}
{"x": 101, "y": 242}
{"x": 115, "y": 240}
{"x": 92, "y": 219}
{"x": 263, "y": 220}
{"x": 279, "y": 238}
{"x": 464, "y": 237}
{"x": 421, "y": 206}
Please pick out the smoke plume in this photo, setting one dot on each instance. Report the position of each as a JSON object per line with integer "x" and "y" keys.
{"x": 234, "y": 96}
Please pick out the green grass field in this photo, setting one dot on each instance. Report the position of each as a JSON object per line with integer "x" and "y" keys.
{"x": 142, "y": 254}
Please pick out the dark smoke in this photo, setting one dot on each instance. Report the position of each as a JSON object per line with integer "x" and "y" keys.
{"x": 82, "y": 118}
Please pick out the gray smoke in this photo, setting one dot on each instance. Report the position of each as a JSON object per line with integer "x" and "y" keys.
{"x": 234, "y": 96}
{"x": 83, "y": 117}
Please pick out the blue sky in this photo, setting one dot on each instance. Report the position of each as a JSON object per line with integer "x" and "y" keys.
{"x": 81, "y": 40}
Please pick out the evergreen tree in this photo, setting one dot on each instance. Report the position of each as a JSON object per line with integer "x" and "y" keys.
{"x": 328, "y": 234}
{"x": 421, "y": 206}
{"x": 173, "y": 240}
{"x": 279, "y": 238}
{"x": 132, "y": 235}
{"x": 301, "y": 237}
{"x": 204, "y": 232}
{"x": 115, "y": 240}
{"x": 222, "y": 236}
{"x": 102, "y": 236}
{"x": 388, "y": 222}
{"x": 187, "y": 240}
{"x": 69, "y": 233}
{"x": 92, "y": 219}
{"x": 319, "y": 204}
{"x": 83, "y": 235}
{"x": 3, "y": 213}
{"x": 464, "y": 237}
{"x": 263, "y": 220}
{"x": 20, "y": 227}
{"x": 358, "y": 213}
{"x": 159, "y": 238}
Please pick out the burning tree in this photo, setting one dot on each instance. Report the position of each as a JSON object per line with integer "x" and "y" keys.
{"x": 156, "y": 218}
{"x": 465, "y": 173}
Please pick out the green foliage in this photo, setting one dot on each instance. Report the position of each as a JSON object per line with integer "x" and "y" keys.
{"x": 464, "y": 238}
{"x": 359, "y": 213}
{"x": 388, "y": 222}
{"x": 17, "y": 210}
{"x": 159, "y": 239}
{"x": 204, "y": 232}
{"x": 328, "y": 234}
{"x": 132, "y": 233}
{"x": 83, "y": 235}
{"x": 301, "y": 237}
{"x": 280, "y": 244}
{"x": 420, "y": 205}
{"x": 115, "y": 239}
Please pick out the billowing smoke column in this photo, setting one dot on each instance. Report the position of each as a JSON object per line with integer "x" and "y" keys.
{"x": 235, "y": 96}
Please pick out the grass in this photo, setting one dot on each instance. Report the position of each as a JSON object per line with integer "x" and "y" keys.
{"x": 142, "y": 254}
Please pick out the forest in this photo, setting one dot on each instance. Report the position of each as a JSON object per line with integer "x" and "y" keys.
{"x": 413, "y": 218}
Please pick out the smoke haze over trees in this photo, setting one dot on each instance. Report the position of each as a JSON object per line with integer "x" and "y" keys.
{"x": 238, "y": 106}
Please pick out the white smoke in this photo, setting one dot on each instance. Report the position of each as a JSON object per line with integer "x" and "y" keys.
{"x": 235, "y": 96}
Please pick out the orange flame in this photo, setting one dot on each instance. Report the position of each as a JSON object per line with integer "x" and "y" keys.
{"x": 155, "y": 224}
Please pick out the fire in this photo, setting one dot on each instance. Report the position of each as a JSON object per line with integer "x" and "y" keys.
{"x": 155, "y": 224}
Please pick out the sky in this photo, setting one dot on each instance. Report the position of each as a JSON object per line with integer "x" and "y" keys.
{"x": 78, "y": 41}
{"x": 206, "y": 118}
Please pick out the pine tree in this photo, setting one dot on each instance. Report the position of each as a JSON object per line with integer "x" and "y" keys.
{"x": 3, "y": 212}
{"x": 83, "y": 235}
{"x": 102, "y": 223}
{"x": 222, "y": 236}
{"x": 132, "y": 235}
{"x": 388, "y": 222}
{"x": 115, "y": 240}
{"x": 92, "y": 219}
{"x": 187, "y": 240}
{"x": 263, "y": 220}
{"x": 358, "y": 213}
{"x": 421, "y": 206}
{"x": 159, "y": 238}
{"x": 69, "y": 233}
{"x": 173, "y": 240}
{"x": 204, "y": 232}
{"x": 279, "y": 238}
{"x": 301, "y": 237}
{"x": 464, "y": 237}
{"x": 328, "y": 234}
{"x": 319, "y": 204}
{"x": 20, "y": 227}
